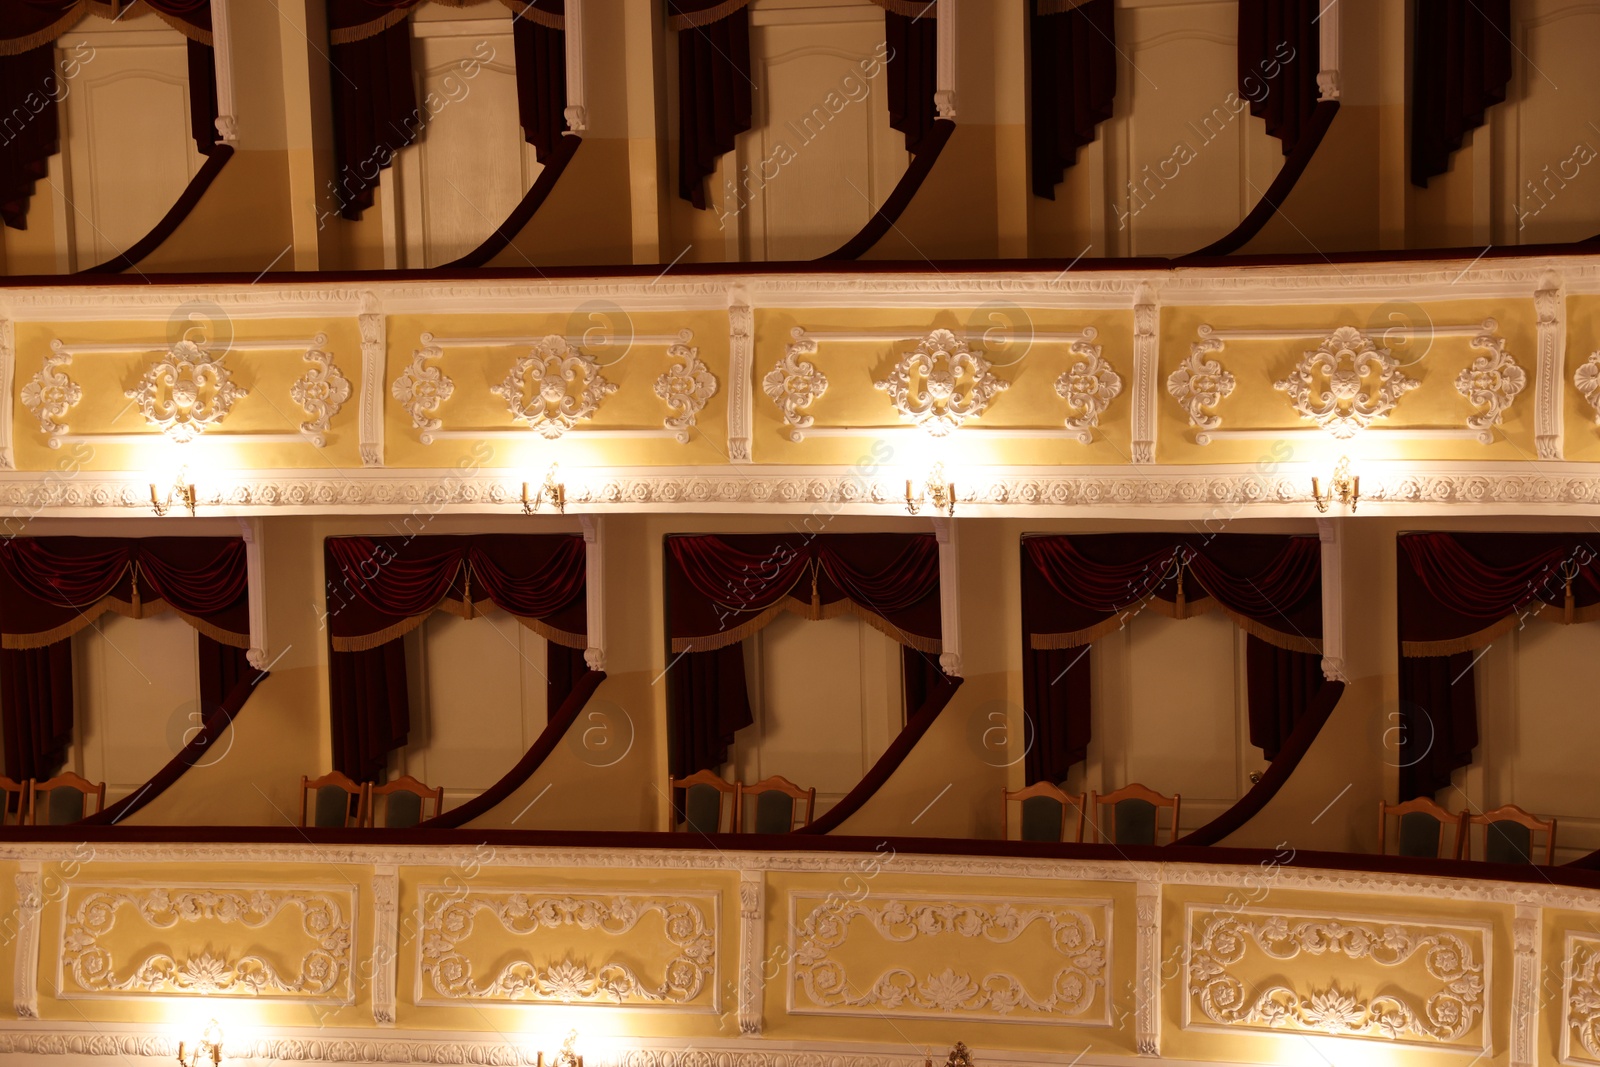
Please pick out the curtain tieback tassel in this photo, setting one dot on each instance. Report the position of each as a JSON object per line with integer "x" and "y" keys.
{"x": 1180, "y": 606}
{"x": 466, "y": 589}
{"x": 1567, "y": 607}
{"x": 133, "y": 570}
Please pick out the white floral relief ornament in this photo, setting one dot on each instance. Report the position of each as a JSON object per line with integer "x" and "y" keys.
{"x": 796, "y": 383}
{"x": 1587, "y": 380}
{"x": 1346, "y": 383}
{"x": 685, "y": 386}
{"x": 422, "y": 388}
{"x": 186, "y": 392}
{"x": 1491, "y": 382}
{"x": 553, "y": 387}
{"x": 941, "y": 383}
{"x": 1088, "y": 387}
{"x": 1200, "y": 384}
{"x": 322, "y": 391}
{"x": 50, "y": 394}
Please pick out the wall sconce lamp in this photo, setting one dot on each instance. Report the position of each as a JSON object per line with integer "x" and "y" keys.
{"x": 568, "y": 1056}
{"x": 935, "y": 489}
{"x": 552, "y": 492}
{"x": 1344, "y": 486}
{"x": 207, "y": 1049}
{"x": 960, "y": 1056}
{"x": 181, "y": 488}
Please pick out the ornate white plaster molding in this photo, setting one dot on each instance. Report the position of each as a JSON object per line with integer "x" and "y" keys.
{"x": 25, "y": 979}
{"x": 1088, "y": 386}
{"x": 50, "y": 394}
{"x": 552, "y": 388}
{"x": 1147, "y": 967}
{"x": 374, "y": 349}
{"x": 1580, "y": 999}
{"x": 685, "y": 387}
{"x": 741, "y": 364}
{"x": 385, "y": 941}
{"x": 1587, "y": 380}
{"x": 1551, "y": 305}
{"x": 941, "y": 383}
{"x": 944, "y": 530}
{"x": 421, "y": 389}
{"x": 752, "y": 950}
{"x": 796, "y": 383}
{"x": 1332, "y": 549}
{"x": 1233, "y": 996}
{"x": 187, "y": 392}
{"x": 688, "y": 934}
{"x": 8, "y": 374}
{"x": 1492, "y": 382}
{"x": 1525, "y": 931}
{"x": 1200, "y": 384}
{"x": 92, "y": 913}
{"x": 594, "y": 589}
{"x": 253, "y": 532}
{"x": 1346, "y": 383}
{"x": 322, "y": 391}
{"x": 1146, "y": 360}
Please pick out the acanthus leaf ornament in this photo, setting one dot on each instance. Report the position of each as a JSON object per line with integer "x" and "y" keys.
{"x": 51, "y": 394}
{"x": 322, "y": 390}
{"x": 685, "y": 386}
{"x": 1491, "y": 382}
{"x": 186, "y": 392}
{"x": 1200, "y": 384}
{"x": 1088, "y": 386}
{"x": 1587, "y": 380}
{"x": 421, "y": 389}
{"x": 941, "y": 383}
{"x": 1346, "y": 383}
{"x": 796, "y": 383}
{"x": 553, "y": 387}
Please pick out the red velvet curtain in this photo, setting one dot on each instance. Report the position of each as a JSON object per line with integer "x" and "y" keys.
{"x": 33, "y": 80}
{"x": 1072, "y": 82}
{"x": 378, "y": 589}
{"x": 911, "y": 73}
{"x": 723, "y": 589}
{"x": 50, "y": 588}
{"x": 714, "y": 87}
{"x": 1076, "y": 589}
{"x": 375, "y": 108}
{"x": 1279, "y": 54}
{"x": 1457, "y": 594}
{"x": 1460, "y": 66}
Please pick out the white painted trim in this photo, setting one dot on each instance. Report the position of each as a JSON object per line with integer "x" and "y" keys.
{"x": 1393, "y": 433}
{"x": 1526, "y": 944}
{"x": 1147, "y": 968}
{"x": 1329, "y": 78}
{"x": 385, "y": 942}
{"x": 1332, "y": 600}
{"x": 946, "y": 37}
{"x": 1550, "y": 374}
{"x": 253, "y": 530}
{"x": 949, "y": 596}
{"x": 8, "y": 374}
{"x": 222, "y": 58}
{"x": 374, "y": 343}
{"x": 577, "y": 109}
{"x": 1146, "y": 374}
{"x": 594, "y": 561}
{"x": 741, "y": 370}
{"x": 29, "y": 904}
{"x": 752, "y": 950}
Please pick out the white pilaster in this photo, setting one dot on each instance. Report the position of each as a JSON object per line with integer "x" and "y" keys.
{"x": 29, "y": 903}
{"x": 1549, "y": 377}
{"x": 1332, "y": 600}
{"x": 949, "y": 596}
{"x": 1328, "y": 78}
{"x": 741, "y": 358}
{"x": 222, "y": 58}
{"x": 594, "y": 560}
{"x": 1147, "y": 968}
{"x": 752, "y": 891}
{"x": 1146, "y": 368}
{"x": 252, "y": 530}
{"x": 385, "y": 938}
{"x": 944, "y": 94}
{"x": 370, "y": 415}
{"x": 577, "y": 111}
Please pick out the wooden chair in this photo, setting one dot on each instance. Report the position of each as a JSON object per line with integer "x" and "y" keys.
{"x": 778, "y": 805}
{"x": 65, "y": 799}
{"x": 1421, "y": 830}
{"x": 1135, "y": 815}
{"x": 340, "y": 802}
{"x": 404, "y": 806}
{"x": 1046, "y": 812}
{"x": 1508, "y": 835}
{"x": 17, "y": 796}
{"x": 709, "y": 801}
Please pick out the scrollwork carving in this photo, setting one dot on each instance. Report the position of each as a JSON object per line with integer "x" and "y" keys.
{"x": 796, "y": 383}
{"x": 422, "y": 388}
{"x": 553, "y": 387}
{"x": 685, "y": 386}
{"x": 322, "y": 391}
{"x": 941, "y": 383}
{"x": 187, "y": 392}
{"x": 1491, "y": 382}
{"x": 1200, "y": 384}
{"x": 51, "y": 394}
{"x": 1088, "y": 387}
{"x": 1346, "y": 383}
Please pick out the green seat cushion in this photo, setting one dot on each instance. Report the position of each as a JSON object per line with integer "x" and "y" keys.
{"x": 1420, "y": 835}
{"x": 1042, "y": 819}
{"x": 1134, "y": 822}
{"x": 1507, "y": 842}
{"x": 66, "y": 806}
{"x": 702, "y": 809}
{"x": 774, "y": 812}
{"x": 333, "y": 806}
{"x": 403, "y": 809}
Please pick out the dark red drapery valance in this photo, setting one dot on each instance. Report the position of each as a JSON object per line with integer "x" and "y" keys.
{"x": 911, "y": 72}
{"x": 723, "y": 589}
{"x": 1458, "y": 593}
{"x": 1077, "y": 589}
{"x": 1073, "y": 80}
{"x": 1460, "y": 66}
{"x": 1279, "y": 53}
{"x": 714, "y": 88}
{"x": 379, "y": 588}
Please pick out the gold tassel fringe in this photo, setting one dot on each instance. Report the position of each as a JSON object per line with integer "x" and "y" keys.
{"x": 706, "y": 17}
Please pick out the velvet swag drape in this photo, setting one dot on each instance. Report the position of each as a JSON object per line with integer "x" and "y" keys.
{"x": 1077, "y": 589}
{"x": 375, "y": 107}
{"x": 379, "y": 589}
{"x": 1072, "y": 81}
{"x": 1460, "y": 67}
{"x": 1457, "y": 594}
{"x": 721, "y": 590}
{"x": 52, "y": 587}
{"x": 1279, "y": 53}
{"x": 33, "y": 81}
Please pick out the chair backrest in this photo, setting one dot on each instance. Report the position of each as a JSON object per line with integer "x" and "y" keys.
{"x": 1421, "y": 825}
{"x": 1508, "y": 835}
{"x": 709, "y": 802}
{"x": 781, "y": 806}
{"x": 404, "y": 801}
{"x": 65, "y": 799}
{"x": 339, "y": 800}
{"x": 1047, "y": 813}
{"x": 14, "y": 797}
{"x": 1135, "y": 815}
